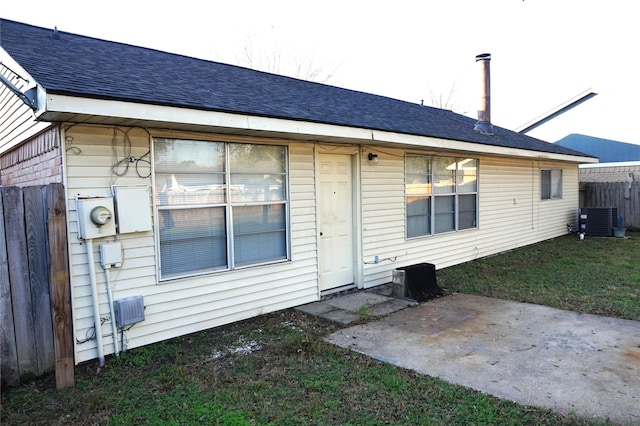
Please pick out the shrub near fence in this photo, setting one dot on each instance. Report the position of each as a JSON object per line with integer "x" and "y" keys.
{"x": 622, "y": 195}
{"x": 35, "y": 309}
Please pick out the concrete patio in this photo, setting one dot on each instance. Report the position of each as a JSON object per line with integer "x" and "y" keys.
{"x": 534, "y": 355}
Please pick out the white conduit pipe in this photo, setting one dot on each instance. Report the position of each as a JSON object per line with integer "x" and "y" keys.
{"x": 96, "y": 304}
{"x": 114, "y": 332}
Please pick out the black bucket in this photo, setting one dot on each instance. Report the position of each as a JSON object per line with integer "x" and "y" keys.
{"x": 417, "y": 282}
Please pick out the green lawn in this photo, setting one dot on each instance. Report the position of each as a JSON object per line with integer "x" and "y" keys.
{"x": 596, "y": 275}
{"x": 277, "y": 370}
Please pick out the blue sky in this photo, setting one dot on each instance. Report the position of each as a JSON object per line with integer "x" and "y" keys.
{"x": 544, "y": 52}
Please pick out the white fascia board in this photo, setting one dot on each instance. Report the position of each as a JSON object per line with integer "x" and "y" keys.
{"x": 306, "y": 130}
{"x": 471, "y": 147}
{"x": 61, "y": 104}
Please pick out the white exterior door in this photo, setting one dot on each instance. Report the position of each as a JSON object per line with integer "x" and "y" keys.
{"x": 335, "y": 220}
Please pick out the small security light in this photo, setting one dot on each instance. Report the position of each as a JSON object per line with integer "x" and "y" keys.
{"x": 373, "y": 158}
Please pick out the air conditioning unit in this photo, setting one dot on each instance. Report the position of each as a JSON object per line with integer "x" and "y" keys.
{"x": 597, "y": 221}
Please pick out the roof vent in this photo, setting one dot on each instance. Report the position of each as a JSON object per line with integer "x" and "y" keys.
{"x": 55, "y": 35}
{"x": 483, "y": 125}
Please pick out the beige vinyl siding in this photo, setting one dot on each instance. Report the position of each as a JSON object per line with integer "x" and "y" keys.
{"x": 383, "y": 216}
{"x": 511, "y": 214}
{"x": 554, "y": 216}
{"x": 179, "y": 307}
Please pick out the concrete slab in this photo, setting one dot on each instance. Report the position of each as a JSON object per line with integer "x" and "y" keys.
{"x": 355, "y": 301}
{"x": 316, "y": 308}
{"x": 534, "y": 355}
{"x": 389, "y": 306}
{"x": 353, "y": 306}
{"x": 341, "y": 316}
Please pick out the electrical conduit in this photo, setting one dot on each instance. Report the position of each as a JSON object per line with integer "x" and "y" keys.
{"x": 96, "y": 304}
{"x": 114, "y": 332}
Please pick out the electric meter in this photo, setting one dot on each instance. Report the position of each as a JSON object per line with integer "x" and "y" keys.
{"x": 100, "y": 215}
{"x": 95, "y": 217}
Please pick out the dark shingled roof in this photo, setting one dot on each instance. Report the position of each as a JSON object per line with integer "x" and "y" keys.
{"x": 89, "y": 67}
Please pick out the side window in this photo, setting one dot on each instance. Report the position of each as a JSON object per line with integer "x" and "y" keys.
{"x": 441, "y": 194}
{"x": 551, "y": 184}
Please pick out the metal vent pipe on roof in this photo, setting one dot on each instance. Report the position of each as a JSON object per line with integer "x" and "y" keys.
{"x": 483, "y": 125}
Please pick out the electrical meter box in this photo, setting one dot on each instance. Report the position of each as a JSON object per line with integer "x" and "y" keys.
{"x": 133, "y": 208}
{"x": 111, "y": 254}
{"x": 95, "y": 217}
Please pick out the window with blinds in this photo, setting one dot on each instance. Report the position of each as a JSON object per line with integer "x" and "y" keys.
{"x": 219, "y": 206}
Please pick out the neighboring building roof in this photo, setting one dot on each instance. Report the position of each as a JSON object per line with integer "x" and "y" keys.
{"x": 618, "y": 164}
{"x": 87, "y": 67}
{"x": 607, "y": 150}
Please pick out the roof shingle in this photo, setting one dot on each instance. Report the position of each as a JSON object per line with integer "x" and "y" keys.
{"x": 89, "y": 67}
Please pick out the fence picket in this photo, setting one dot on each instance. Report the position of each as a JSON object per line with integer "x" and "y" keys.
{"x": 35, "y": 218}
{"x": 9, "y": 374}
{"x": 19, "y": 280}
{"x": 60, "y": 286}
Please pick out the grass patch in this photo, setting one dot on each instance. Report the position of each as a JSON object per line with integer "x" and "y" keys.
{"x": 277, "y": 369}
{"x": 597, "y": 275}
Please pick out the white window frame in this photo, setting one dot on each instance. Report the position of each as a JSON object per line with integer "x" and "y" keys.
{"x": 227, "y": 205}
{"x": 425, "y": 192}
{"x": 551, "y": 184}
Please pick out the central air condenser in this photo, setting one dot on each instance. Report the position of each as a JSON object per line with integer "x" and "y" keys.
{"x": 597, "y": 221}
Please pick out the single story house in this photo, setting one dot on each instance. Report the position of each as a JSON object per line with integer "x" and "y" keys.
{"x": 212, "y": 193}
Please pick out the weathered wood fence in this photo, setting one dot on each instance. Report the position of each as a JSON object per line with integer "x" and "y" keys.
{"x": 622, "y": 195}
{"x": 35, "y": 303}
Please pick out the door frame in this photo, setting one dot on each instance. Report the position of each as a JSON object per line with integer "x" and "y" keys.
{"x": 355, "y": 153}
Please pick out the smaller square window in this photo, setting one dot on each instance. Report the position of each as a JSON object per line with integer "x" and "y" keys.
{"x": 441, "y": 194}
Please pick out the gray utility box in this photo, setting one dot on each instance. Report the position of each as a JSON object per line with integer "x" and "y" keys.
{"x": 417, "y": 282}
{"x": 128, "y": 311}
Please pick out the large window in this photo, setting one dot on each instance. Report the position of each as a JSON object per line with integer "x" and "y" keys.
{"x": 551, "y": 184}
{"x": 219, "y": 205}
{"x": 441, "y": 194}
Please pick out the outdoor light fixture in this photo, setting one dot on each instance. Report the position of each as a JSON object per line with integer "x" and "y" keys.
{"x": 373, "y": 158}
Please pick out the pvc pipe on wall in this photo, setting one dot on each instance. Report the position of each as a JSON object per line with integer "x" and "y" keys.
{"x": 107, "y": 274}
{"x": 96, "y": 304}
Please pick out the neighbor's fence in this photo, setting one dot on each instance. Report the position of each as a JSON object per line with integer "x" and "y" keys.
{"x": 622, "y": 195}
{"x": 35, "y": 305}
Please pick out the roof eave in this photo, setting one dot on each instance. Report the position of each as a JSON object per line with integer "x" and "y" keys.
{"x": 78, "y": 109}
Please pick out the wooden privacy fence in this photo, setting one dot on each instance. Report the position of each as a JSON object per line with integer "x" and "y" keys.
{"x": 622, "y": 195}
{"x": 35, "y": 303}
